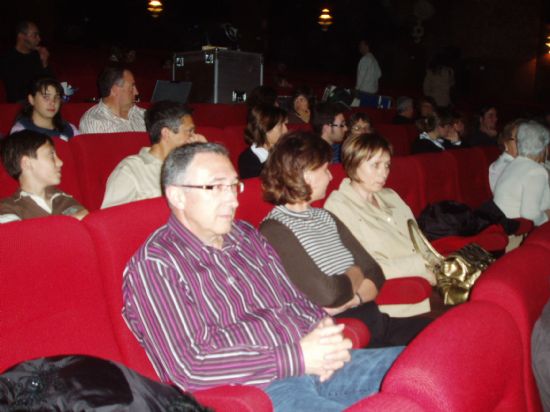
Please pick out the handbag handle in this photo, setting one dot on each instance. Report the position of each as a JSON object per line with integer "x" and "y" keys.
{"x": 417, "y": 236}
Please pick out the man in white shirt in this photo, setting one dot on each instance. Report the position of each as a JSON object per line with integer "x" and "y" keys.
{"x": 116, "y": 111}
{"x": 368, "y": 70}
{"x": 137, "y": 177}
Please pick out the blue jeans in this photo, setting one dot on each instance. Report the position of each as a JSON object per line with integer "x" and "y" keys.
{"x": 359, "y": 378}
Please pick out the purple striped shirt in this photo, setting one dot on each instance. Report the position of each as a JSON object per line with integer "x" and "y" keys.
{"x": 208, "y": 317}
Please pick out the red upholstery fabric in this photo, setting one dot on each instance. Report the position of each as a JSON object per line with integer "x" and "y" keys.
{"x": 385, "y": 402}
{"x": 252, "y": 207}
{"x": 398, "y": 136}
{"x": 473, "y": 176}
{"x": 540, "y": 236}
{"x": 356, "y": 331}
{"x": 219, "y": 115}
{"x": 519, "y": 282}
{"x": 491, "y": 154}
{"x": 306, "y": 127}
{"x": 117, "y": 232}
{"x": 212, "y": 134}
{"x": 51, "y": 300}
{"x": 404, "y": 290}
{"x": 525, "y": 226}
{"x": 72, "y": 112}
{"x": 96, "y": 156}
{"x": 233, "y": 139}
{"x": 8, "y": 113}
{"x": 466, "y": 360}
{"x": 406, "y": 179}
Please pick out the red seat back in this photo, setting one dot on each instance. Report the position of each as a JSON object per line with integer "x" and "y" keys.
{"x": 219, "y": 115}
{"x": 117, "y": 233}
{"x": 519, "y": 282}
{"x": 473, "y": 176}
{"x": 96, "y": 156}
{"x": 72, "y": 112}
{"x": 51, "y": 298}
{"x": 439, "y": 175}
{"x": 466, "y": 360}
{"x": 252, "y": 207}
{"x": 406, "y": 179}
{"x": 233, "y": 139}
{"x": 8, "y": 114}
{"x": 398, "y": 136}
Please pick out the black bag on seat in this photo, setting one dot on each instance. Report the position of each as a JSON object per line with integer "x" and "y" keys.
{"x": 84, "y": 383}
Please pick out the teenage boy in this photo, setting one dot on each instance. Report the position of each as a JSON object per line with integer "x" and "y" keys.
{"x": 30, "y": 158}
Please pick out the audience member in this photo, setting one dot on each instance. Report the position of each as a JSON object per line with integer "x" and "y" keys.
{"x": 457, "y": 131}
{"x": 358, "y": 123}
{"x": 116, "y": 110}
{"x": 507, "y": 141}
{"x": 301, "y": 105}
{"x": 42, "y": 111}
{"x": 210, "y": 302}
{"x": 137, "y": 177}
{"x": 368, "y": 70}
{"x": 540, "y": 362}
{"x": 438, "y": 81}
{"x": 426, "y": 107}
{"x": 377, "y": 216}
{"x": 266, "y": 124}
{"x": 405, "y": 111}
{"x": 522, "y": 188}
{"x": 330, "y": 124}
{"x": 24, "y": 63}
{"x": 434, "y": 134}
{"x": 320, "y": 255}
{"x": 30, "y": 158}
{"x": 486, "y": 132}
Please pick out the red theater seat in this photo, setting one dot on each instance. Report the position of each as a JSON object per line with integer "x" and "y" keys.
{"x": 96, "y": 156}
{"x": 398, "y": 136}
{"x": 233, "y": 139}
{"x": 519, "y": 282}
{"x": 51, "y": 299}
{"x": 466, "y": 360}
{"x": 473, "y": 176}
{"x": 407, "y": 180}
{"x": 72, "y": 112}
{"x": 219, "y": 115}
{"x": 8, "y": 114}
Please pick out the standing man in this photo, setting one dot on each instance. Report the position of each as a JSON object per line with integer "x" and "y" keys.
{"x": 330, "y": 124}
{"x": 368, "y": 70}
{"x": 137, "y": 177}
{"x": 209, "y": 300}
{"x": 24, "y": 63}
{"x": 116, "y": 111}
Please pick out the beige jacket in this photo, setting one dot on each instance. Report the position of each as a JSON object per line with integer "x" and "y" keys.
{"x": 381, "y": 231}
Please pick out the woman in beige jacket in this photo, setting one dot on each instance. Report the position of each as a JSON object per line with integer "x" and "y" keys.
{"x": 375, "y": 215}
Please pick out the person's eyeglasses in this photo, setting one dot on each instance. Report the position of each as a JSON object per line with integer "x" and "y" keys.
{"x": 341, "y": 125}
{"x": 360, "y": 128}
{"x": 50, "y": 98}
{"x": 218, "y": 188}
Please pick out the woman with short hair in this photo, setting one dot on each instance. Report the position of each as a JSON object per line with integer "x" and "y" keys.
{"x": 266, "y": 124}
{"x": 320, "y": 255}
{"x": 42, "y": 111}
{"x": 522, "y": 188}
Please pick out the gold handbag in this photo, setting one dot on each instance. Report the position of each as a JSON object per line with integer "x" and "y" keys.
{"x": 456, "y": 273}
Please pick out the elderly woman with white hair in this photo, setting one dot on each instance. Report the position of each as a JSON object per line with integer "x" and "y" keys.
{"x": 522, "y": 188}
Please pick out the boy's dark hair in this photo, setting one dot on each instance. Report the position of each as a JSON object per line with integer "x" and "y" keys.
{"x": 323, "y": 114}
{"x": 19, "y": 144}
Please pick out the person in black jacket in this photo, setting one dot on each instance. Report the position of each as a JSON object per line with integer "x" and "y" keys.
{"x": 435, "y": 134}
{"x": 266, "y": 124}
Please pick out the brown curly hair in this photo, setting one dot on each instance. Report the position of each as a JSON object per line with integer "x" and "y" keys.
{"x": 283, "y": 174}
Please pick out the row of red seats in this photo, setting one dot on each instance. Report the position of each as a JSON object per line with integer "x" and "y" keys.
{"x": 477, "y": 357}
{"x": 61, "y": 294}
{"x": 204, "y": 114}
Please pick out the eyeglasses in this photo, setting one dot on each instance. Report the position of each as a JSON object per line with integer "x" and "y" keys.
{"x": 50, "y": 98}
{"x": 360, "y": 128}
{"x": 341, "y": 125}
{"x": 218, "y": 188}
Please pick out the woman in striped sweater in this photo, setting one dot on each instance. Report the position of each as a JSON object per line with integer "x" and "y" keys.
{"x": 320, "y": 255}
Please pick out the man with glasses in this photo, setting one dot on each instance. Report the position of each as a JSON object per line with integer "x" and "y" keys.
{"x": 208, "y": 299}
{"x": 116, "y": 110}
{"x": 24, "y": 63}
{"x": 329, "y": 123}
{"x": 137, "y": 177}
